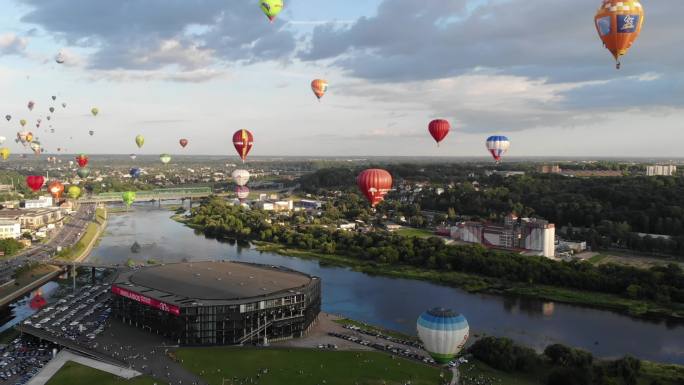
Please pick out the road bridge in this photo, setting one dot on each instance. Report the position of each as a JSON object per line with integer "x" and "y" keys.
{"x": 179, "y": 193}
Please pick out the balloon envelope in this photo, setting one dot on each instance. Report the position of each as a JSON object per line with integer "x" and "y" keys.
{"x": 139, "y": 141}
{"x": 135, "y": 172}
{"x": 165, "y": 158}
{"x": 443, "y": 332}
{"x": 35, "y": 182}
{"x": 439, "y": 129}
{"x": 74, "y": 192}
{"x": 242, "y": 192}
{"x": 94, "y": 111}
{"x": 243, "y": 141}
{"x": 82, "y": 160}
{"x": 5, "y": 153}
{"x": 183, "y": 142}
{"x": 374, "y": 184}
{"x": 56, "y": 189}
{"x": 241, "y": 177}
{"x": 618, "y": 23}
{"x": 128, "y": 198}
{"x": 271, "y": 8}
{"x": 497, "y": 146}
{"x": 319, "y": 87}
{"x": 83, "y": 172}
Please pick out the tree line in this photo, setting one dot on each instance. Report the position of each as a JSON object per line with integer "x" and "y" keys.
{"x": 661, "y": 284}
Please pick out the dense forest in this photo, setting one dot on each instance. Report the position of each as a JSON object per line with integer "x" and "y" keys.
{"x": 664, "y": 285}
{"x": 628, "y": 212}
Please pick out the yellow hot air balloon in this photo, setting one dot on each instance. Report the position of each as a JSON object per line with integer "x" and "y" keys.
{"x": 5, "y": 153}
{"x": 95, "y": 111}
{"x": 271, "y": 8}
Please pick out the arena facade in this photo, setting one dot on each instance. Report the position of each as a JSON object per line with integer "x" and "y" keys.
{"x": 218, "y": 303}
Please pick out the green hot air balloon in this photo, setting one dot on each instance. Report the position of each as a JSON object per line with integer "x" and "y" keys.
{"x": 271, "y": 8}
{"x": 140, "y": 140}
{"x": 74, "y": 192}
{"x": 165, "y": 158}
{"x": 128, "y": 198}
{"x": 83, "y": 172}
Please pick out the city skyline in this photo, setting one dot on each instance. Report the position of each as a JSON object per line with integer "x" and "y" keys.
{"x": 204, "y": 69}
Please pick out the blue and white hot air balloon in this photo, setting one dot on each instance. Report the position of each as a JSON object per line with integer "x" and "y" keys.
{"x": 497, "y": 146}
{"x": 443, "y": 332}
{"x": 135, "y": 172}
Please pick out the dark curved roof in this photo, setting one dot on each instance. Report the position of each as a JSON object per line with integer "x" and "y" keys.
{"x": 217, "y": 280}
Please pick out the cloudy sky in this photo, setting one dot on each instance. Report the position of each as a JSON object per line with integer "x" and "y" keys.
{"x": 533, "y": 70}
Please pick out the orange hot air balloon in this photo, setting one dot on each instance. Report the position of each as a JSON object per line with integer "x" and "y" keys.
{"x": 319, "y": 88}
{"x": 374, "y": 184}
{"x": 618, "y": 23}
{"x": 243, "y": 141}
{"x": 56, "y": 189}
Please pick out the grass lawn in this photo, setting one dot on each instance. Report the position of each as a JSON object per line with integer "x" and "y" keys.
{"x": 303, "y": 367}
{"x": 666, "y": 374}
{"x": 477, "y": 373}
{"x": 76, "y": 374}
{"x": 597, "y": 259}
{"x": 417, "y": 233}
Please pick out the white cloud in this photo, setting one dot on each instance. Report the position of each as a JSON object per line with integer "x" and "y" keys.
{"x": 11, "y": 44}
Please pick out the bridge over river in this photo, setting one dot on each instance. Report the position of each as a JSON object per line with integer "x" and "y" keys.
{"x": 152, "y": 195}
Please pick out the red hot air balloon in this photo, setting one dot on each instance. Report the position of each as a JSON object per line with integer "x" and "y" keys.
{"x": 35, "y": 182}
{"x": 439, "y": 129}
{"x": 183, "y": 142}
{"x": 374, "y": 184}
{"x": 82, "y": 160}
{"x": 243, "y": 141}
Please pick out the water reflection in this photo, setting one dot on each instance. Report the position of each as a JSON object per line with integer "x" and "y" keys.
{"x": 27, "y": 306}
{"x": 395, "y": 303}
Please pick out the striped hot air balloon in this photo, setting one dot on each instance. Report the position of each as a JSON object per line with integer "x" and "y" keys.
{"x": 443, "y": 332}
{"x": 319, "y": 88}
{"x": 439, "y": 129}
{"x": 243, "y": 141}
{"x": 497, "y": 146}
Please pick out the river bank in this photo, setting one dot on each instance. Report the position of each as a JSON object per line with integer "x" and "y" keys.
{"x": 477, "y": 284}
{"x": 81, "y": 250}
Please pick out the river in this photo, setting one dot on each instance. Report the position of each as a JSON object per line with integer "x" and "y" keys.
{"x": 396, "y": 303}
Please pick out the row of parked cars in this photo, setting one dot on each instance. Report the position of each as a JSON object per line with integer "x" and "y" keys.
{"x": 21, "y": 359}
{"x": 373, "y": 333}
{"x": 396, "y": 350}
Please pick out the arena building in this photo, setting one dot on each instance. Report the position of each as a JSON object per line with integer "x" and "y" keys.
{"x": 218, "y": 303}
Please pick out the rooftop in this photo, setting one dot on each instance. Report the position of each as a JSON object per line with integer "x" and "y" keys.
{"x": 185, "y": 283}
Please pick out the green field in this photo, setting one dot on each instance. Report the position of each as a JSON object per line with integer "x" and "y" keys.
{"x": 303, "y": 367}
{"x": 477, "y": 373}
{"x": 76, "y": 374}
{"x": 413, "y": 232}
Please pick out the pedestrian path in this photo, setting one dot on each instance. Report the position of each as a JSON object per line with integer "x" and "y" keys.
{"x": 64, "y": 356}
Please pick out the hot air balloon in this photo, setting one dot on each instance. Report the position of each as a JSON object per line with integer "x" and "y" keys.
{"x": 74, "y": 192}
{"x": 94, "y": 111}
{"x": 56, "y": 189}
{"x": 51, "y": 109}
{"x": 133, "y": 156}
{"x": 443, "y": 332}
{"x": 497, "y": 146}
{"x": 5, "y": 153}
{"x": 54, "y": 98}
{"x": 60, "y": 59}
{"x": 439, "y": 129}
{"x": 183, "y": 142}
{"x": 35, "y": 146}
{"x": 319, "y": 88}
{"x": 165, "y": 158}
{"x": 83, "y": 172}
{"x": 82, "y": 160}
{"x": 374, "y": 184}
{"x": 271, "y": 8}
{"x": 140, "y": 141}
{"x": 135, "y": 172}
{"x": 242, "y": 192}
{"x": 64, "y": 105}
{"x": 91, "y": 132}
{"x": 48, "y": 117}
{"x": 243, "y": 141}
{"x": 2, "y": 139}
{"x": 35, "y": 182}
{"x": 22, "y": 122}
{"x": 31, "y": 104}
{"x": 241, "y": 177}
{"x": 128, "y": 198}
{"x": 618, "y": 23}
{"x": 8, "y": 117}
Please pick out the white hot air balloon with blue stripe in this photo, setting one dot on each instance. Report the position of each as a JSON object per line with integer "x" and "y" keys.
{"x": 443, "y": 332}
{"x": 497, "y": 146}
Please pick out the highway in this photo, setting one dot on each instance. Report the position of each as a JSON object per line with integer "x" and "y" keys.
{"x": 67, "y": 236}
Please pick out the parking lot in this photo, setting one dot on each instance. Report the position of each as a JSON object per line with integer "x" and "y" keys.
{"x": 22, "y": 358}
{"x": 78, "y": 317}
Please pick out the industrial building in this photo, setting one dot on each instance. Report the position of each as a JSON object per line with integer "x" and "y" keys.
{"x": 524, "y": 234}
{"x": 661, "y": 170}
{"x": 218, "y": 303}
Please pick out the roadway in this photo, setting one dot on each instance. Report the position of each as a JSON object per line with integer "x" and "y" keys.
{"x": 66, "y": 236}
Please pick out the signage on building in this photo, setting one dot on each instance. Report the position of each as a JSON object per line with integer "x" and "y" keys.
{"x": 175, "y": 310}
